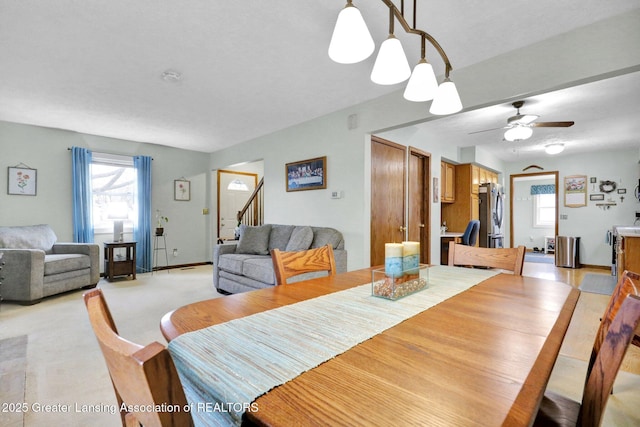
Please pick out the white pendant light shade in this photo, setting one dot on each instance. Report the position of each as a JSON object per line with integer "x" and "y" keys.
{"x": 391, "y": 64}
{"x": 447, "y": 100}
{"x": 518, "y": 133}
{"x": 422, "y": 85}
{"x": 351, "y": 41}
{"x": 554, "y": 148}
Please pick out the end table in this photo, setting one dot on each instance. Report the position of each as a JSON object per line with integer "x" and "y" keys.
{"x": 117, "y": 266}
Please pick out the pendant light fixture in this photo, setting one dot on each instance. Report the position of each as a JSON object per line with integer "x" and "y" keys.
{"x": 391, "y": 65}
{"x": 351, "y": 41}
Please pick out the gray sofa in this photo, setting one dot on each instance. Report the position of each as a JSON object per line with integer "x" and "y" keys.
{"x": 36, "y": 266}
{"x": 246, "y": 265}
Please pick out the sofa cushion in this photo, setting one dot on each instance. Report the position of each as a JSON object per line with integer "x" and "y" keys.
{"x": 233, "y": 262}
{"x": 254, "y": 240}
{"x": 279, "y": 237}
{"x": 28, "y": 237}
{"x": 323, "y": 236}
{"x": 260, "y": 269}
{"x": 54, "y": 264}
{"x": 301, "y": 239}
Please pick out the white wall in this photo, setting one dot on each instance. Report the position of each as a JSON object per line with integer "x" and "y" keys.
{"x": 46, "y": 150}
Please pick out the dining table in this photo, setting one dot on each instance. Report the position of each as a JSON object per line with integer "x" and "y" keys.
{"x": 475, "y": 347}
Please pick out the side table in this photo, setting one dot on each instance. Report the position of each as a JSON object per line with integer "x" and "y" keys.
{"x": 117, "y": 265}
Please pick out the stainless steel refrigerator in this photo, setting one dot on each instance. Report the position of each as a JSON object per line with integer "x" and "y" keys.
{"x": 491, "y": 210}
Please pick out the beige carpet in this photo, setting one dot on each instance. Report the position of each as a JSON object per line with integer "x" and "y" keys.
{"x": 64, "y": 365}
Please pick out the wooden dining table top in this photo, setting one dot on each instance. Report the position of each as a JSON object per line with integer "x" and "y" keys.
{"x": 482, "y": 357}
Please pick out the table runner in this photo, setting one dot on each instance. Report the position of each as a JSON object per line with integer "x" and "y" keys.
{"x": 225, "y": 367}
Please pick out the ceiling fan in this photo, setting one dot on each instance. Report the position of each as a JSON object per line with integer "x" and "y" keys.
{"x": 519, "y": 127}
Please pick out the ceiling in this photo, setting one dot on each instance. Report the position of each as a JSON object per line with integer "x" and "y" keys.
{"x": 246, "y": 69}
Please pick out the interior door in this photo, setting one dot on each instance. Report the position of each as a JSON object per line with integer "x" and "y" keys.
{"x": 234, "y": 189}
{"x": 419, "y": 207}
{"x": 388, "y": 165}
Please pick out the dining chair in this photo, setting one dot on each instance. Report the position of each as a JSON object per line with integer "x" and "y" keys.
{"x": 142, "y": 377}
{"x": 628, "y": 284}
{"x": 557, "y": 410}
{"x": 294, "y": 263}
{"x": 503, "y": 258}
{"x": 471, "y": 233}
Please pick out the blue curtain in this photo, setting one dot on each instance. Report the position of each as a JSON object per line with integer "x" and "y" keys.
{"x": 81, "y": 187}
{"x": 543, "y": 189}
{"x": 142, "y": 228}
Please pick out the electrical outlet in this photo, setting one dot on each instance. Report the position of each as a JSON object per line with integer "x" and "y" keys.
{"x": 175, "y": 252}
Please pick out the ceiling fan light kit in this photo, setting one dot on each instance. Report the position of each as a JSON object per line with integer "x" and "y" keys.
{"x": 518, "y": 133}
{"x": 351, "y": 42}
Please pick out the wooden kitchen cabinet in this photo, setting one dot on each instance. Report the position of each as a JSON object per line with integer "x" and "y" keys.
{"x": 448, "y": 182}
{"x": 628, "y": 254}
{"x": 466, "y": 207}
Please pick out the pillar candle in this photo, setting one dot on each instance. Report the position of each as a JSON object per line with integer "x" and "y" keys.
{"x": 410, "y": 257}
{"x": 393, "y": 256}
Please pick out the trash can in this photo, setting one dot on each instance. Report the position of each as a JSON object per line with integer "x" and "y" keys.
{"x": 567, "y": 252}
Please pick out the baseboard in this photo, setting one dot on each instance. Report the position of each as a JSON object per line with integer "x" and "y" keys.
{"x": 174, "y": 266}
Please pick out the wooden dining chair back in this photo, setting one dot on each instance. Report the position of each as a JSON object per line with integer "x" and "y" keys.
{"x": 290, "y": 264}
{"x": 511, "y": 259}
{"x": 628, "y": 284}
{"x": 558, "y": 410}
{"x": 142, "y": 377}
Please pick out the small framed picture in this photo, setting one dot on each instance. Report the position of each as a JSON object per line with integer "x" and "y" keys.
{"x": 307, "y": 174}
{"x": 593, "y": 180}
{"x": 596, "y": 197}
{"x": 22, "y": 181}
{"x": 622, "y": 191}
{"x": 182, "y": 190}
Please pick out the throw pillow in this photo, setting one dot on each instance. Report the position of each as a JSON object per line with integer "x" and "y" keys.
{"x": 323, "y": 236}
{"x": 301, "y": 239}
{"x": 280, "y": 236}
{"x": 254, "y": 240}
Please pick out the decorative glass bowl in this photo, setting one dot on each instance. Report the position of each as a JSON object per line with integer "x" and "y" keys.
{"x": 394, "y": 286}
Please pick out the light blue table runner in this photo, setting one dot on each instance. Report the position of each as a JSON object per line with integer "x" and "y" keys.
{"x": 225, "y": 367}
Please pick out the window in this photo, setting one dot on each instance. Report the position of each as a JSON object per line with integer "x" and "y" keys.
{"x": 544, "y": 210}
{"x": 113, "y": 186}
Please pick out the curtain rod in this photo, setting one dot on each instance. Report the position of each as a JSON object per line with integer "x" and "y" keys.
{"x": 106, "y": 152}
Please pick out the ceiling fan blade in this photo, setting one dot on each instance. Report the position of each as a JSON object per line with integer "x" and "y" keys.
{"x": 486, "y": 130}
{"x": 551, "y": 124}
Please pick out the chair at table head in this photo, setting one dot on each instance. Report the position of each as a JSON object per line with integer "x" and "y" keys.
{"x": 290, "y": 264}
{"x": 141, "y": 376}
{"x": 558, "y": 410}
{"x": 511, "y": 259}
{"x": 471, "y": 233}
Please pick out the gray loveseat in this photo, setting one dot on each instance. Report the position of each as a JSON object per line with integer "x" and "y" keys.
{"x": 246, "y": 265}
{"x": 36, "y": 266}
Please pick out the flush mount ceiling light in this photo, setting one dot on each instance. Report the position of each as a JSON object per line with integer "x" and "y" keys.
{"x": 351, "y": 42}
{"x": 554, "y": 148}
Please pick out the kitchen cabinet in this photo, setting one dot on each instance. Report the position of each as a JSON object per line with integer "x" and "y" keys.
{"x": 628, "y": 253}
{"x": 448, "y": 182}
{"x": 465, "y": 207}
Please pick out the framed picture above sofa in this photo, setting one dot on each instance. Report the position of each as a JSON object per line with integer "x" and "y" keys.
{"x": 308, "y": 174}
{"x": 22, "y": 181}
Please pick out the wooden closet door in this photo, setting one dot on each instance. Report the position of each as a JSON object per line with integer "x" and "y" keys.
{"x": 388, "y": 165}
{"x": 419, "y": 212}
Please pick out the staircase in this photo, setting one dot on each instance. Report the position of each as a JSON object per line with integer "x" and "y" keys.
{"x": 252, "y": 213}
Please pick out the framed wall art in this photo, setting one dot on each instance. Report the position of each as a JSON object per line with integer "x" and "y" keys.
{"x": 575, "y": 191}
{"x": 307, "y": 174}
{"x": 22, "y": 181}
{"x": 182, "y": 190}
{"x": 596, "y": 197}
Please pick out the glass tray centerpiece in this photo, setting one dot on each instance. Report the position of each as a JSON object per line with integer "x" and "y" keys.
{"x": 395, "y": 285}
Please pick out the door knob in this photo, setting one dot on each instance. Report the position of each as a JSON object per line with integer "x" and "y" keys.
{"x": 421, "y": 226}
{"x": 402, "y": 228}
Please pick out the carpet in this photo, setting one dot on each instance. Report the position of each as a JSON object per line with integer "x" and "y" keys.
{"x": 13, "y": 372}
{"x": 541, "y": 258}
{"x": 598, "y": 283}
